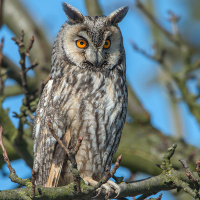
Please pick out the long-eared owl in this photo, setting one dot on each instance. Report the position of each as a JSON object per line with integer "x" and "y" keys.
{"x": 85, "y": 96}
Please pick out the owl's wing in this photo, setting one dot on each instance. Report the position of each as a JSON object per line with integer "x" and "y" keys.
{"x": 48, "y": 155}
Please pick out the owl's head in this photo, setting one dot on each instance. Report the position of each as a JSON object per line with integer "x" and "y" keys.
{"x": 93, "y": 43}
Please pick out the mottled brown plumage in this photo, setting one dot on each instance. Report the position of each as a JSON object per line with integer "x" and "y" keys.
{"x": 85, "y": 96}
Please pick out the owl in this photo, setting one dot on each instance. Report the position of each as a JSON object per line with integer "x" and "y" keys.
{"x": 86, "y": 95}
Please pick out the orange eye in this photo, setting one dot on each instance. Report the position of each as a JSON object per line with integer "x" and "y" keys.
{"x": 81, "y": 43}
{"x": 107, "y": 44}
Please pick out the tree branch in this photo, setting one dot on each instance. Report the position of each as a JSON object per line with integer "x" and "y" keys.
{"x": 42, "y": 47}
{"x": 167, "y": 180}
{"x": 14, "y": 178}
{"x": 93, "y": 8}
{"x": 149, "y": 16}
{"x": 150, "y": 185}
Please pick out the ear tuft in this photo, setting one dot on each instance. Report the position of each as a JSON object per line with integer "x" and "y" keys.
{"x": 73, "y": 14}
{"x": 118, "y": 15}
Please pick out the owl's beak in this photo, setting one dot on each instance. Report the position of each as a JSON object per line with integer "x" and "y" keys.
{"x": 95, "y": 61}
{"x": 95, "y": 58}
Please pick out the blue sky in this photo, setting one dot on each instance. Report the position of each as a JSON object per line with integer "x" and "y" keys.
{"x": 141, "y": 72}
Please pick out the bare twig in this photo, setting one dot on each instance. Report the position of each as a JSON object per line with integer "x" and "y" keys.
{"x": 107, "y": 175}
{"x": 73, "y": 165}
{"x": 30, "y": 45}
{"x": 157, "y": 56}
{"x": 22, "y": 51}
{"x": 5, "y": 155}
{"x": 13, "y": 176}
{"x": 116, "y": 166}
{"x": 185, "y": 165}
{"x": 35, "y": 64}
{"x": 193, "y": 180}
{"x": 71, "y": 153}
{"x": 57, "y": 138}
{"x": 189, "y": 173}
{"x": 174, "y": 20}
{"x": 27, "y": 108}
{"x": 140, "y": 5}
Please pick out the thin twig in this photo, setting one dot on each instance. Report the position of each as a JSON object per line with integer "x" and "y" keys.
{"x": 78, "y": 144}
{"x": 13, "y": 176}
{"x": 189, "y": 173}
{"x": 5, "y": 155}
{"x": 30, "y": 45}
{"x": 174, "y": 20}
{"x": 71, "y": 153}
{"x": 35, "y": 64}
{"x": 22, "y": 51}
{"x": 153, "y": 20}
{"x": 185, "y": 165}
{"x": 107, "y": 175}
{"x": 116, "y": 166}
{"x": 158, "y": 55}
{"x": 192, "y": 179}
{"x": 57, "y": 138}
{"x": 26, "y": 109}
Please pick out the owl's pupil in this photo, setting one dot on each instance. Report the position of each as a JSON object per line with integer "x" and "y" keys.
{"x": 106, "y": 43}
{"x": 82, "y": 43}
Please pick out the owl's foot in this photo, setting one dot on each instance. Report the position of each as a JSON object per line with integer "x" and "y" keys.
{"x": 109, "y": 186}
{"x": 105, "y": 183}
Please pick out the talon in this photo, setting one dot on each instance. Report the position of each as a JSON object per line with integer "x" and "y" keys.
{"x": 98, "y": 193}
{"x": 107, "y": 188}
{"x": 117, "y": 191}
{"x": 115, "y": 187}
{"x": 108, "y": 195}
{"x": 117, "y": 195}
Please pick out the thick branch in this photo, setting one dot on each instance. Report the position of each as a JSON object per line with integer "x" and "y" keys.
{"x": 154, "y": 184}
